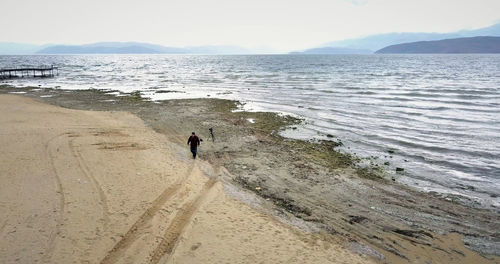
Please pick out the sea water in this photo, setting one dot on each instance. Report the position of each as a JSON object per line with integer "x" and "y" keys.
{"x": 435, "y": 116}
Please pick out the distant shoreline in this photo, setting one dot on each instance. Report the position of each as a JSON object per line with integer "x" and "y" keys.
{"x": 360, "y": 45}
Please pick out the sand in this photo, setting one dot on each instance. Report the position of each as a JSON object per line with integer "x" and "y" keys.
{"x": 101, "y": 187}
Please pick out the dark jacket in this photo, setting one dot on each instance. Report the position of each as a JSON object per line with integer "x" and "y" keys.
{"x": 194, "y": 140}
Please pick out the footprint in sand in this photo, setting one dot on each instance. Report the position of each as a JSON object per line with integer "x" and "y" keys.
{"x": 195, "y": 246}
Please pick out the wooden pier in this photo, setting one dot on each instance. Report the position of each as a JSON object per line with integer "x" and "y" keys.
{"x": 21, "y": 72}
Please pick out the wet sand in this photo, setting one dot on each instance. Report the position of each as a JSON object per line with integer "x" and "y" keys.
{"x": 314, "y": 194}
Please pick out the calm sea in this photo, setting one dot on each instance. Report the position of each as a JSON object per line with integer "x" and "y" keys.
{"x": 436, "y": 116}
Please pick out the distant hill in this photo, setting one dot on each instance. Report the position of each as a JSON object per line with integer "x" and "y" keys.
{"x": 360, "y": 45}
{"x": 121, "y": 48}
{"x": 457, "y": 45}
{"x": 60, "y": 49}
{"x": 135, "y": 47}
{"x": 376, "y": 42}
{"x": 110, "y": 48}
{"x": 332, "y": 50}
{"x": 140, "y": 48}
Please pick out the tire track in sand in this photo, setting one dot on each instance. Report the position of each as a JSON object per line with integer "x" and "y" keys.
{"x": 181, "y": 220}
{"x": 141, "y": 224}
{"x": 62, "y": 200}
{"x": 85, "y": 169}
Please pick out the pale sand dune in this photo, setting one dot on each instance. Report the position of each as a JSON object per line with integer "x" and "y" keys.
{"x": 100, "y": 187}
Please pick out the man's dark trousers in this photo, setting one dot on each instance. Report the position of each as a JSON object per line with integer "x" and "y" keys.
{"x": 194, "y": 149}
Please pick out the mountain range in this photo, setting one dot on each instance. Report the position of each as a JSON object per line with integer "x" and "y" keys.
{"x": 379, "y": 41}
{"x": 457, "y": 45}
{"x": 362, "y": 45}
{"x": 9, "y": 48}
{"x": 139, "y": 48}
{"x": 109, "y": 48}
{"x": 376, "y": 42}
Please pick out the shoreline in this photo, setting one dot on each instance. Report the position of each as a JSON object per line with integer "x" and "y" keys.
{"x": 306, "y": 181}
{"x": 101, "y": 187}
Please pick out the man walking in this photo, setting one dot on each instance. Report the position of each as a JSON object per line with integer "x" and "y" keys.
{"x": 195, "y": 142}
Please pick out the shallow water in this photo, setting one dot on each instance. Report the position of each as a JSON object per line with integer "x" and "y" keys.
{"x": 436, "y": 116}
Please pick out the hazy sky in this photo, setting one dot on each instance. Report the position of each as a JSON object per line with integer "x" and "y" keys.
{"x": 279, "y": 24}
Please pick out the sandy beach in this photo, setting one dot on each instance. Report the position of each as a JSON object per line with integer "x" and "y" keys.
{"x": 101, "y": 187}
{"x": 88, "y": 177}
